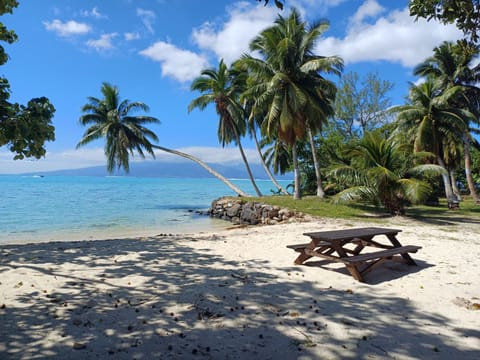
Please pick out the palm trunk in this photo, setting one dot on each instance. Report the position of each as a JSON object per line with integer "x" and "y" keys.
{"x": 446, "y": 180}
{"x": 455, "y": 189}
{"x": 297, "y": 195}
{"x": 249, "y": 171}
{"x": 468, "y": 170}
{"x": 267, "y": 169}
{"x": 206, "y": 167}
{"x": 316, "y": 164}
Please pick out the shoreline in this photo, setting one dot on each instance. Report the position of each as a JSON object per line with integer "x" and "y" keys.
{"x": 235, "y": 293}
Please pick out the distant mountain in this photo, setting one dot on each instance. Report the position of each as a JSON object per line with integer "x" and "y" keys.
{"x": 169, "y": 170}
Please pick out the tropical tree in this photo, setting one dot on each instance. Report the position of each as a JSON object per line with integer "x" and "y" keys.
{"x": 222, "y": 87}
{"x": 23, "y": 128}
{"x": 433, "y": 122}
{"x": 254, "y": 124}
{"x": 382, "y": 173}
{"x": 464, "y": 13}
{"x": 287, "y": 85}
{"x": 361, "y": 103}
{"x": 126, "y": 134}
{"x": 450, "y": 65}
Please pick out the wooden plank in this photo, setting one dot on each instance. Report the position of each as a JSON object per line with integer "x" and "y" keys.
{"x": 296, "y": 247}
{"x": 349, "y": 234}
{"x": 380, "y": 254}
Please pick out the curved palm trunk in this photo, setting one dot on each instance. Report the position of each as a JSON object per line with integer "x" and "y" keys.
{"x": 446, "y": 180}
{"x": 468, "y": 170}
{"x": 267, "y": 169}
{"x": 206, "y": 167}
{"x": 296, "y": 174}
{"x": 247, "y": 166}
{"x": 316, "y": 164}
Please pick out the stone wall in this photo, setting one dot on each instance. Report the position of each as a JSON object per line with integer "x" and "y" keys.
{"x": 241, "y": 211}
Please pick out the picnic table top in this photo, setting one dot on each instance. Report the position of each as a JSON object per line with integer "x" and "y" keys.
{"x": 350, "y": 233}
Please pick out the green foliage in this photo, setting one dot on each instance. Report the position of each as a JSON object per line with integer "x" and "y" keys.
{"x": 110, "y": 118}
{"x": 361, "y": 104}
{"x": 464, "y": 13}
{"x": 381, "y": 172}
{"x": 24, "y": 129}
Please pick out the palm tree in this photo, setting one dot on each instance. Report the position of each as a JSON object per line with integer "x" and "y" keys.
{"x": 433, "y": 122}
{"x": 125, "y": 134}
{"x": 287, "y": 85}
{"x": 222, "y": 87}
{"x": 380, "y": 173}
{"x": 450, "y": 65}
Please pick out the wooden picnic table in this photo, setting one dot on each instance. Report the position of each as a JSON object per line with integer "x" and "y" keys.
{"x": 346, "y": 246}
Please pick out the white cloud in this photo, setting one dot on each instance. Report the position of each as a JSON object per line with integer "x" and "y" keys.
{"x": 69, "y": 159}
{"x": 93, "y": 13}
{"x": 148, "y": 18}
{"x": 214, "y": 155}
{"x": 130, "y": 36}
{"x": 395, "y": 37}
{"x": 87, "y": 157}
{"x": 103, "y": 43}
{"x": 68, "y": 28}
{"x": 230, "y": 40}
{"x": 368, "y": 9}
{"x": 179, "y": 64}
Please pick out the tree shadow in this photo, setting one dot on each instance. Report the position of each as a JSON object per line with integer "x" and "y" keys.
{"x": 161, "y": 298}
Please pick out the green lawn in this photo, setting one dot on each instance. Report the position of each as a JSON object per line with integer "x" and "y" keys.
{"x": 324, "y": 208}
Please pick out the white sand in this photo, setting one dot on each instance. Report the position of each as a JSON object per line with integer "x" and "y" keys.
{"x": 235, "y": 294}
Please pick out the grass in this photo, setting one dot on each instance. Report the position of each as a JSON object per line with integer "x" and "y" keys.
{"x": 312, "y": 205}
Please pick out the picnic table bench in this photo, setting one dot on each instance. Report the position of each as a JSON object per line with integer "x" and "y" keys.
{"x": 345, "y": 246}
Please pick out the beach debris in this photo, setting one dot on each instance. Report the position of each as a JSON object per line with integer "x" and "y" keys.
{"x": 465, "y": 303}
{"x": 79, "y": 345}
{"x": 205, "y": 306}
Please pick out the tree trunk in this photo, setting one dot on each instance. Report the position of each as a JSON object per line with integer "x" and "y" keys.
{"x": 249, "y": 171}
{"x": 267, "y": 169}
{"x": 455, "y": 189}
{"x": 320, "y": 191}
{"x": 468, "y": 170}
{"x": 206, "y": 167}
{"x": 296, "y": 173}
{"x": 446, "y": 180}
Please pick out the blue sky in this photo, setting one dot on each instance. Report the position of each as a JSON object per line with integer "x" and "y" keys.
{"x": 152, "y": 49}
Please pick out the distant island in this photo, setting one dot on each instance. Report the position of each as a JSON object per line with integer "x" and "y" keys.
{"x": 161, "y": 169}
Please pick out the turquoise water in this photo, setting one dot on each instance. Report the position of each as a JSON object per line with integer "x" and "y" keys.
{"x": 80, "y": 208}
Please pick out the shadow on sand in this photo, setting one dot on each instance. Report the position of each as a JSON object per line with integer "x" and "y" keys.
{"x": 170, "y": 301}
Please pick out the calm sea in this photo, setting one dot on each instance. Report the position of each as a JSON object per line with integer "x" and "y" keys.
{"x": 34, "y": 209}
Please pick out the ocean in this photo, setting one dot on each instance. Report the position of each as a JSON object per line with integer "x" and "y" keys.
{"x": 60, "y": 208}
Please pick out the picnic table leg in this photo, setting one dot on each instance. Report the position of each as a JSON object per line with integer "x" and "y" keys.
{"x": 301, "y": 258}
{"x": 396, "y": 243}
{"x": 354, "y": 272}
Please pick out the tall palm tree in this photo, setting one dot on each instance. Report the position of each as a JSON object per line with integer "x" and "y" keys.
{"x": 451, "y": 65}
{"x": 288, "y": 84}
{"x": 222, "y": 87}
{"x": 125, "y": 134}
{"x": 433, "y": 122}
{"x": 380, "y": 173}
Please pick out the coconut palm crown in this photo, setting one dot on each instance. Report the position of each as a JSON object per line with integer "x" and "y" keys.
{"x": 112, "y": 118}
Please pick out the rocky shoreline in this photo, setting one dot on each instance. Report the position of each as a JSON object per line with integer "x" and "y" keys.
{"x": 243, "y": 212}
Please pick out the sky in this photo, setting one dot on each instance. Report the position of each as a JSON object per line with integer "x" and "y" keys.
{"x": 153, "y": 49}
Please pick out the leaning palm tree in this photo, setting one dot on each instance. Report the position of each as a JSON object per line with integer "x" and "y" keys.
{"x": 451, "y": 65}
{"x": 287, "y": 82}
{"x": 222, "y": 87}
{"x": 381, "y": 173}
{"x": 433, "y": 122}
{"x": 112, "y": 119}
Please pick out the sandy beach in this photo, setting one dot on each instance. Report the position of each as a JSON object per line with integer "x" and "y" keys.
{"x": 236, "y": 294}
